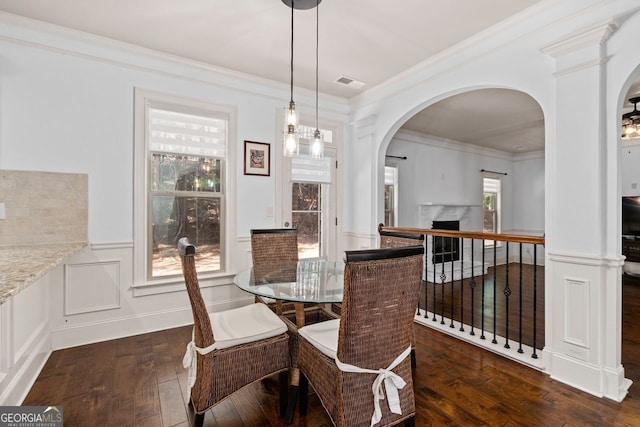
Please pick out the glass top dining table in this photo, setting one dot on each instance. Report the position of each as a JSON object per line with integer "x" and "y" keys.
{"x": 305, "y": 281}
{"x": 315, "y": 281}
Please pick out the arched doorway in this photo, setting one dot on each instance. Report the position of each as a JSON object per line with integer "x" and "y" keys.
{"x": 440, "y": 151}
{"x": 478, "y": 154}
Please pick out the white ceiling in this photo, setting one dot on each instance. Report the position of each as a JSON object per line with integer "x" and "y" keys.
{"x": 367, "y": 40}
{"x": 501, "y": 119}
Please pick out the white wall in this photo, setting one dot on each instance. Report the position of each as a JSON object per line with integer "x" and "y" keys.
{"x": 557, "y": 52}
{"x": 528, "y": 180}
{"x": 630, "y": 168}
{"x": 442, "y": 172}
{"x": 67, "y": 105}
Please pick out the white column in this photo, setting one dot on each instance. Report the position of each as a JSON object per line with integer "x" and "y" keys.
{"x": 362, "y": 186}
{"x": 582, "y": 330}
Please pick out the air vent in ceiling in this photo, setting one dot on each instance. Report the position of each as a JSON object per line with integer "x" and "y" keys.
{"x": 348, "y": 81}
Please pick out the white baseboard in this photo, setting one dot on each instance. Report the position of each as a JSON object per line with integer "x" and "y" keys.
{"x": 589, "y": 378}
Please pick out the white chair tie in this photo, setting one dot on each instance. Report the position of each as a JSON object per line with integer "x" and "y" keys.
{"x": 392, "y": 383}
{"x": 190, "y": 360}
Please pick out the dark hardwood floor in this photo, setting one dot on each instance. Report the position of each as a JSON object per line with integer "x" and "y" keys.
{"x": 448, "y": 302}
{"x": 140, "y": 381}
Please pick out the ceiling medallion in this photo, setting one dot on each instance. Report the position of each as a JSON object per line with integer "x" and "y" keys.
{"x": 302, "y": 4}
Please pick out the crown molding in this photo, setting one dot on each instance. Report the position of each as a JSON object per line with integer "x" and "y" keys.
{"x": 55, "y": 38}
{"x": 595, "y": 35}
{"x": 450, "y": 144}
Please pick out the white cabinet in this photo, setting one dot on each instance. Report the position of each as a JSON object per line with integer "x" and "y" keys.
{"x": 25, "y": 342}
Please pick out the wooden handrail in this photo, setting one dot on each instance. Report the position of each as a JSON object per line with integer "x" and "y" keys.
{"x": 517, "y": 238}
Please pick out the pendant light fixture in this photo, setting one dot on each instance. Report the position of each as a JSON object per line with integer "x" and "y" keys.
{"x": 317, "y": 146}
{"x": 291, "y": 141}
{"x": 631, "y": 121}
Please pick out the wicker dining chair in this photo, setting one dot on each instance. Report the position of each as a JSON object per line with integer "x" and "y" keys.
{"x": 230, "y": 349}
{"x": 271, "y": 248}
{"x": 392, "y": 239}
{"x": 381, "y": 289}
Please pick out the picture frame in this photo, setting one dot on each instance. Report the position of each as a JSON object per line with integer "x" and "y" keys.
{"x": 257, "y": 158}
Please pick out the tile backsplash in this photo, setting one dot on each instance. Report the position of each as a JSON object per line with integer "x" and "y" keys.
{"x": 43, "y": 207}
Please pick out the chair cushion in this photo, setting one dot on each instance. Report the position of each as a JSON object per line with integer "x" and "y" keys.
{"x": 245, "y": 324}
{"x": 323, "y": 336}
{"x": 266, "y": 290}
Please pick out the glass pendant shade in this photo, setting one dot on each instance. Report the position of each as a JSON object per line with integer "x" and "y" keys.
{"x": 629, "y": 130}
{"x": 317, "y": 146}
{"x": 631, "y": 121}
{"x": 291, "y": 143}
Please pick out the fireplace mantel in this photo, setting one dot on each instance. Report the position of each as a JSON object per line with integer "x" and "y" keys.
{"x": 447, "y": 204}
{"x": 429, "y": 212}
{"x": 470, "y": 219}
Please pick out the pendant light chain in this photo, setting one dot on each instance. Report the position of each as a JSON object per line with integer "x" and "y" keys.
{"x": 292, "y": 7}
{"x": 291, "y": 143}
{"x": 317, "y": 43}
{"x": 317, "y": 146}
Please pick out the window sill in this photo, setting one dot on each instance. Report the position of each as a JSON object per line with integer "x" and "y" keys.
{"x": 176, "y": 284}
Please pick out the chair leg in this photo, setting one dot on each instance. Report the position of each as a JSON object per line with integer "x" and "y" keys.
{"x": 198, "y": 420}
{"x": 410, "y": 422}
{"x": 283, "y": 388}
{"x": 292, "y": 399}
{"x": 304, "y": 394}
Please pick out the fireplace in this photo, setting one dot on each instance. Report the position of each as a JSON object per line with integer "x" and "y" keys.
{"x": 445, "y": 249}
{"x": 445, "y": 254}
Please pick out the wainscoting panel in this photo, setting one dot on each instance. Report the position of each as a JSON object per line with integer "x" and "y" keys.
{"x": 91, "y": 287}
{"x": 576, "y": 312}
{"x": 94, "y": 298}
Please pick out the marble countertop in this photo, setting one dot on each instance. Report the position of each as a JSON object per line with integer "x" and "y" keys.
{"x": 20, "y": 266}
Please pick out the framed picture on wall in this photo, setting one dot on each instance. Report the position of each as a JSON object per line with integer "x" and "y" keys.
{"x": 256, "y": 158}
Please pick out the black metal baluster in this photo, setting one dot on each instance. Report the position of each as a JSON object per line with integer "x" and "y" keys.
{"x": 451, "y": 325}
{"x": 495, "y": 283}
{"x": 507, "y": 294}
{"x": 426, "y": 278}
{"x": 472, "y": 285}
{"x": 442, "y": 279}
{"x": 433, "y": 258}
{"x": 520, "y": 308}
{"x": 483, "y": 290}
{"x": 535, "y": 292}
{"x": 461, "y": 249}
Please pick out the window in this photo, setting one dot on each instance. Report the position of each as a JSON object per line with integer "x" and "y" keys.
{"x": 391, "y": 196}
{"x": 491, "y": 205}
{"x": 307, "y": 191}
{"x": 310, "y": 181}
{"x": 181, "y": 159}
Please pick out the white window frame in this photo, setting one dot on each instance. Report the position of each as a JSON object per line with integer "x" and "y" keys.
{"x": 142, "y": 284}
{"x": 395, "y": 192}
{"x": 499, "y": 204}
{"x": 334, "y": 243}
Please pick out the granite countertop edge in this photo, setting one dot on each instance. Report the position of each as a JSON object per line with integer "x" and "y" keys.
{"x": 22, "y": 265}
